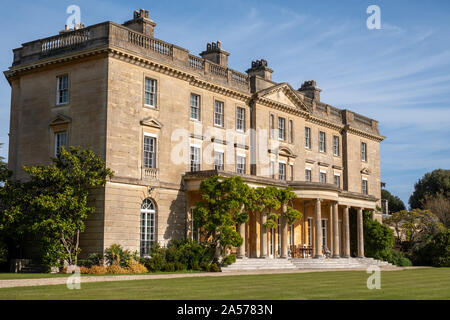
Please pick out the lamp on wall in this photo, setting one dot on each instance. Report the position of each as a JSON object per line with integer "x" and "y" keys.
{"x": 150, "y": 190}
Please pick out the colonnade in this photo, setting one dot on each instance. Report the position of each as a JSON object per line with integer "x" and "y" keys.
{"x": 317, "y": 246}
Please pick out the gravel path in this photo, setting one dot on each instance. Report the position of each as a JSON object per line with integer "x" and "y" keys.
{"x": 63, "y": 280}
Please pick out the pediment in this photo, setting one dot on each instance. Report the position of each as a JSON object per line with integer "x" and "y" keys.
{"x": 151, "y": 122}
{"x": 284, "y": 94}
{"x": 60, "y": 119}
{"x": 365, "y": 171}
{"x": 286, "y": 152}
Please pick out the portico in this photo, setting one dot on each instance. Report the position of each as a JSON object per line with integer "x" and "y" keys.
{"x": 324, "y": 229}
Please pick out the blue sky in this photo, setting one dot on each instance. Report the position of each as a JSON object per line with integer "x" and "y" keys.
{"x": 398, "y": 75}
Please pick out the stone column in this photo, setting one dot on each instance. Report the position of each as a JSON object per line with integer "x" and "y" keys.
{"x": 284, "y": 233}
{"x": 263, "y": 234}
{"x": 359, "y": 223}
{"x": 255, "y": 236}
{"x": 336, "y": 244}
{"x": 330, "y": 242}
{"x": 241, "y": 249}
{"x": 318, "y": 238}
{"x": 346, "y": 233}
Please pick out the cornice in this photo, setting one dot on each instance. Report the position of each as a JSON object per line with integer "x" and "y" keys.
{"x": 325, "y": 123}
{"x": 16, "y": 70}
{"x": 364, "y": 134}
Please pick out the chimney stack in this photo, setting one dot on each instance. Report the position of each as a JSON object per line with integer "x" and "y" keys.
{"x": 260, "y": 68}
{"x": 216, "y": 54}
{"x": 310, "y": 89}
{"x": 141, "y": 23}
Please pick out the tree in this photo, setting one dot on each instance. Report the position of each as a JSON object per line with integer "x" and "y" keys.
{"x": 435, "y": 251}
{"x": 431, "y": 184}
{"x": 440, "y": 206}
{"x": 378, "y": 239}
{"x": 222, "y": 206}
{"x": 229, "y": 201}
{"x": 412, "y": 227}
{"x": 56, "y": 201}
{"x": 395, "y": 204}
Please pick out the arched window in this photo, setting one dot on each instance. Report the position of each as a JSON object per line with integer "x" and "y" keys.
{"x": 148, "y": 226}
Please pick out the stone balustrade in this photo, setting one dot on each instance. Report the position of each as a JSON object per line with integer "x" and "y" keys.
{"x": 115, "y": 35}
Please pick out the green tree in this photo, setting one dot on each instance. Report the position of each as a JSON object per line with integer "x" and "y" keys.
{"x": 440, "y": 206}
{"x": 378, "y": 239}
{"x": 435, "y": 251}
{"x": 395, "y": 204}
{"x": 222, "y": 206}
{"x": 431, "y": 184}
{"x": 57, "y": 201}
{"x": 412, "y": 227}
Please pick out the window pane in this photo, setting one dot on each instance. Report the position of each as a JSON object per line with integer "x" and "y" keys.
{"x": 218, "y": 113}
{"x": 150, "y": 92}
{"x": 195, "y": 107}
{"x": 307, "y": 137}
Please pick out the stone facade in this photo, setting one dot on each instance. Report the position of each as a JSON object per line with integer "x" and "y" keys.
{"x": 107, "y": 66}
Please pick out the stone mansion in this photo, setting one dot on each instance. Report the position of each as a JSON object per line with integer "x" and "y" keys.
{"x": 163, "y": 120}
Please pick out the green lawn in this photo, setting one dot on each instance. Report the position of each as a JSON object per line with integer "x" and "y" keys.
{"x": 13, "y": 276}
{"x": 405, "y": 284}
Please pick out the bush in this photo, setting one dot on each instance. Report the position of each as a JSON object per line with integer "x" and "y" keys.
{"x": 84, "y": 270}
{"x": 435, "y": 252}
{"x": 115, "y": 255}
{"x": 115, "y": 269}
{"x": 3, "y": 252}
{"x": 137, "y": 268}
{"x": 94, "y": 259}
{"x": 191, "y": 253}
{"x": 169, "y": 267}
{"x": 97, "y": 270}
{"x": 179, "y": 266}
{"x": 196, "y": 266}
{"x": 204, "y": 266}
{"x": 378, "y": 240}
{"x": 214, "y": 268}
{"x": 399, "y": 259}
{"x": 155, "y": 263}
{"x": 228, "y": 260}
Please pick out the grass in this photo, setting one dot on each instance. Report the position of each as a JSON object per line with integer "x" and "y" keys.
{"x": 16, "y": 276}
{"x": 405, "y": 284}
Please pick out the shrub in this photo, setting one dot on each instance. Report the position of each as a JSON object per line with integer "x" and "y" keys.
{"x": 94, "y": 259}
{"x": 230, "y": 259}
{"x": 84, "y": 270}
{"x": 115, "y": 269}
{"x": 115, "y": 255}
{"x": 196, "y": 266}
{"x": 155, "y": 263}
{"x": 435, "y": 252}
{"x": 378, "y": 240}
{"x": 169, "y": 267}
{"x": 204, "y": 266}
{"x": 97, "y": 270}
{"x": 399, "y": 259}
{"x": 179, "y": 266}
{"x": 191, "y": 253}
{"x": 137, "y": 268}
{"x": 214, "y": 268}
{"x": 3, "y": 252}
